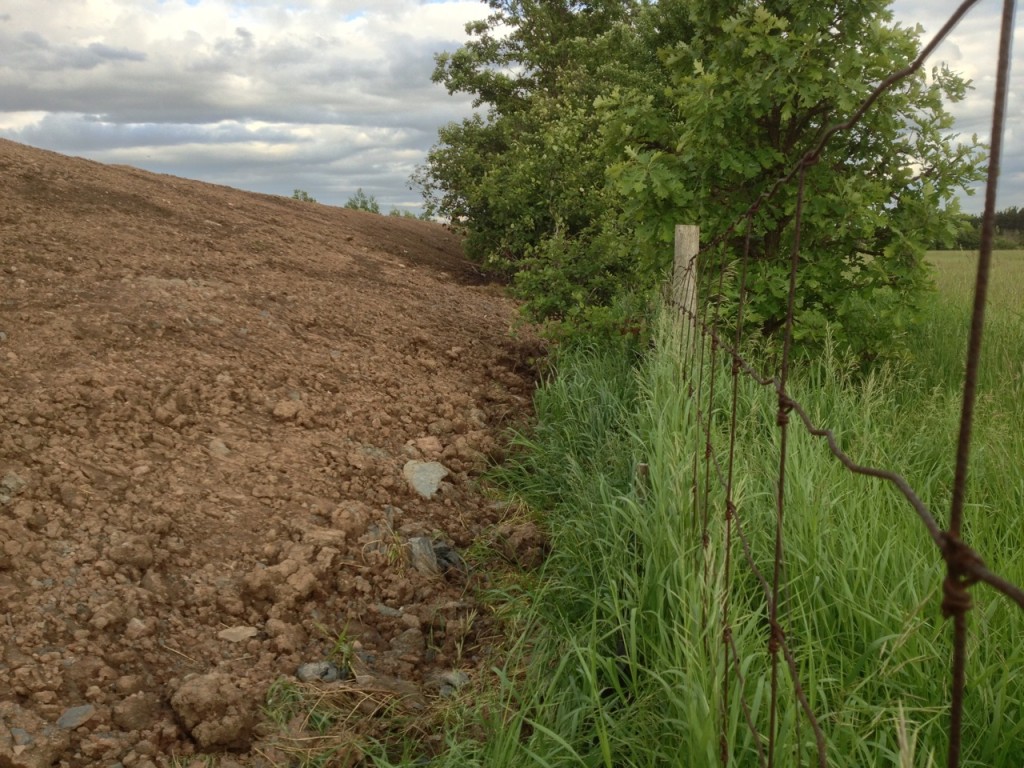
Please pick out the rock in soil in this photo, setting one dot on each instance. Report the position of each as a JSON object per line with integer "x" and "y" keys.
{"x": 320, "y": 672}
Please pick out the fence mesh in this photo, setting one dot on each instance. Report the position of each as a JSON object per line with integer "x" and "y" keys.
{"x": 709, "y": 339}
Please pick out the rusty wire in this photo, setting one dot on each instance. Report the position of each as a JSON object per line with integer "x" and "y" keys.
{"x": 964, "y": 566}
{"x": 957, "y": 600}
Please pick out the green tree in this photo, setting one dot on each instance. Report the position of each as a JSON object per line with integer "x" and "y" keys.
{"x": 609, "y": 123}
{"x": 403, "y": 214}
{"x": 525, "y": 180}
{"x": 751, "y": 88}
{"x": 361, "y": 201}
{"x": 303, "y": 195}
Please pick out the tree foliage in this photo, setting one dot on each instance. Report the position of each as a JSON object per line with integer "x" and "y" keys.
{"x": 361, "y": 201}
{"x": 1009, "y": 234}
{"x": 602, "y": 125}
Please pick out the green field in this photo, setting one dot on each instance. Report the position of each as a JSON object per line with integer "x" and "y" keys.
{"x": 955, "y": 272}
{"x": 941, "y": 340}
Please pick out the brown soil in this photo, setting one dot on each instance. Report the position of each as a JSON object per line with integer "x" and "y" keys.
{"x": 207, "y": 398}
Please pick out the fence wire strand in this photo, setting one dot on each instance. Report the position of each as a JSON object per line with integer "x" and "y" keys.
{"x": 964, "y": 566}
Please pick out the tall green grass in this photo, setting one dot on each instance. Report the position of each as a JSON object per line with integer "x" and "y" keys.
{"x": 618, "y": 658}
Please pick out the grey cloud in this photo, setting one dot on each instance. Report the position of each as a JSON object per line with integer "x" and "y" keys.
{"x": 329, "y": 175}
{"x": 30, "y": 51}
{"x": 115, "y": 54}
{"x": 33, "y": 40}
{"x": 340, "y": 118}
{"x": 83, "y": 133}
{"x": 242, "y": 42}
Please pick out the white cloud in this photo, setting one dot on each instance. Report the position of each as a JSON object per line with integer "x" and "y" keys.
{"x": 323, "y": 95}
{"x": 971, "y": 50}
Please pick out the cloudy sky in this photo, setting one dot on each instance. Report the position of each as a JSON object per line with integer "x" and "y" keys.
{"x": 320, "y": 95}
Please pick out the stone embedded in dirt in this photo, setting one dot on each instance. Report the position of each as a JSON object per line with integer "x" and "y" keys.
{"x": 455, "y": 678}
{"x": 137, "y": 712}
{"x": 321, "y": 671}
{"x": 387, "y": 610}
{"x": 134, "y": 551}
{"x": 421, "y": 555}
{"x": 216, "y": 711}
{"x": 238, "y": 634}
{"x": 287, "y": 409}
{"x": 73, "y": 717}
{"x": 411, "y": 642}
{"x": 433, "y": 558}
{"x": 217, "y": 447}
{"x": 424, "y": 477}
{"x": 40, "y": 748}
{"x": 448, "y": 559}
{"x": 448, "y": 683}
{"x": 21, "y": 737}
{"x": 11, "y": 485}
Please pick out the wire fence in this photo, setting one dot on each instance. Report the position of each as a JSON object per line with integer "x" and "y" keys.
{"x": 710, "y": 339}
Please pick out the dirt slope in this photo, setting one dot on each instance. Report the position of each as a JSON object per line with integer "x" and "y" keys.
{"x": 207, "y": 399}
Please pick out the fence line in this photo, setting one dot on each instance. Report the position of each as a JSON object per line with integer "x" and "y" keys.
{"x": 964, "y": 566}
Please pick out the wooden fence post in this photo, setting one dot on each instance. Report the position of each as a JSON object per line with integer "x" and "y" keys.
{"x": 684, "y": 274}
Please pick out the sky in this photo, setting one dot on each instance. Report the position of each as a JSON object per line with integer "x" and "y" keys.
{"x": 325, "y": 96}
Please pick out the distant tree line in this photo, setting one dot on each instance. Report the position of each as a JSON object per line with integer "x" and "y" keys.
{"x": 1009, "y": 230}
{"x": 361, "y": 201}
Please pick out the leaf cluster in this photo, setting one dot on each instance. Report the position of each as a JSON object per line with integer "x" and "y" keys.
{"x": 603, "y": 125}
{"x": 361, "y": 201}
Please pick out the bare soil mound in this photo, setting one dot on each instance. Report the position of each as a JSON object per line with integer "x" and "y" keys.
{"x": 209, "y": 400}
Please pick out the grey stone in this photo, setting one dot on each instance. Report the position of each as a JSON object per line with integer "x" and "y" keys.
{"x": 421, "y": 555}
{"x": 73, "y": 717}
{"x": 424, "y": 477}
{"x": 449, "y": 683}
{"x": 238, "y": 634}
{"x": 21, "y": 737}
{"x": 448, "y": 559}
{"x": 433, "y": 558}
{"x": 321, "y": 671}
{"x": 218, "y": 448}
{"x": 456, "y": 678}
{"x": 13, "y": 483}
{"x": 387, "y": 610}
{"x": 10, "y": 485}
{"x": 409, "y": 643}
